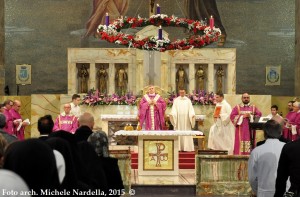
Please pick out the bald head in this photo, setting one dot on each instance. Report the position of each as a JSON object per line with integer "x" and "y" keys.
{"x": 17, "y": 105}
{"x": 86, "y": 119}
{"x": 67, "y": 108}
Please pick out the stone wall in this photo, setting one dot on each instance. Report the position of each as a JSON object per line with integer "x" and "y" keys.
{"x": 39, "y": 33}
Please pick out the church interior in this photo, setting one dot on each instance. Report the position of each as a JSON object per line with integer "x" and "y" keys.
{"x": 51, "y": 49}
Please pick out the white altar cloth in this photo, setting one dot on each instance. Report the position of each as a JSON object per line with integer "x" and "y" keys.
{"x": 105, "y": 118}
{"x": 158, "y": 133}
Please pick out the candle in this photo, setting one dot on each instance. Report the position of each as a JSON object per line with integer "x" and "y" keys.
{"x": 160, "y": 33}
{"x": 157, "y": 9}
{"x": 211, "y": 22}
{"x": 106, "y": 19}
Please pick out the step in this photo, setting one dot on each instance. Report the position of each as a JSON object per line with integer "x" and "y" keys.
{"x": 187, "y": 166}
{"x": 134, "y": 160}
{"x": 186, "y": 160}
{"x": 186, "y": 154}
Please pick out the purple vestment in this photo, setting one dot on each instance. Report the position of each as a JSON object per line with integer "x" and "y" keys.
{"x": 287, "y": 133}
{"x": 146, "y": 112}
{"x": 242, "y": 144}
{"x": 9, "y": 122}
{"x": 15, "y": 116}
{"x": 66, "y": 122}
{"x": 296, "y": 123}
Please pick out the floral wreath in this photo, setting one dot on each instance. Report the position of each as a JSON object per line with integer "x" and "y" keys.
{"x": 112, "y": 33}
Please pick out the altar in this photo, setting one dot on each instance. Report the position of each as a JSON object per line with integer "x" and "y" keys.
{"x": 112, "y": 123}
{"x": 158, "y": 150}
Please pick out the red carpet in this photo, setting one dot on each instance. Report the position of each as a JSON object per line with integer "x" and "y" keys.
{"x": 186, "y": 160}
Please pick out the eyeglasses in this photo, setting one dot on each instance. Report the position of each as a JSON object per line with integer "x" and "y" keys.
{"x": 246, "y": 97}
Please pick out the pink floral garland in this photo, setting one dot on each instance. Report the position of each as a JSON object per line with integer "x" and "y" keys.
{"x": 113, "y": 34}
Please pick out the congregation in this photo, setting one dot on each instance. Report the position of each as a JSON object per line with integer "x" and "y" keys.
{"x": 68, "y": 158}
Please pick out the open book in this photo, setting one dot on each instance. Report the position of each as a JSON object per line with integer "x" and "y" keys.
{"x": 217, "y": 111}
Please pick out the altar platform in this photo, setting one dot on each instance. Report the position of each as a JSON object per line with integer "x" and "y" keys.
{"x": 182, "y": 185}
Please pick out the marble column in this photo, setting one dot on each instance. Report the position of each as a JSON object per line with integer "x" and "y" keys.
{"x": 2, "y": 48}
{"x": 297, "y": 51}
{"x": 111, "y": 82}
{"x": 164, "y": 75}
{"x": 210, "y": 78}
{"x": 173, "y": 77}
{"x": 139, "y": 77}
{"x": 191, "y": 78}
{"x": 92, "y": 77}
{"x": 72, "y": 78}
{"x": 231, "y": 79}
{"x": 131, "y": 86}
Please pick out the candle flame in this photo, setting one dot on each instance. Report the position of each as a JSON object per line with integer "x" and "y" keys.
{"x": 160, "y": 27}
{"x": 106, "y": 14}
{"x": 157, "y": 5}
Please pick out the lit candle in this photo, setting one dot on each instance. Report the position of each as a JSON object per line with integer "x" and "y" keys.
{"x": 157, "y": 9}
{"x": 106, "y": 19}
{"x": 160, "y": 33}
{"x": 211, "y": 22}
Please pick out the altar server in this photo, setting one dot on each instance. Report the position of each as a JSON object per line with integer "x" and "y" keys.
{"x": 221, "y": 134}
{"x": 182, "y": 117}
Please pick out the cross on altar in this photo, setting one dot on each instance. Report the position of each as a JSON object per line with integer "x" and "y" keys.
{"x": 159, "y": 155}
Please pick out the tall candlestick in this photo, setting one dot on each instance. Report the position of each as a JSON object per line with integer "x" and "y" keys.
{"x": 157, "y": 9}
{"x": 160, "y": 33}
{"x": 211, "y": 22}
{"x": 107, "y": 19}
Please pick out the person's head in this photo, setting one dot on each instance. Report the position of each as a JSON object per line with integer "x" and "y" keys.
{"x": 8, "y": 104}
{"x": 2, "y": 121}
{"x": 219, "y": 97}
{"x": 151, "y": 89}
{"x": 1, "y": 107}
{"x": 290, "y": 105}
{"x": 17, "y": 105}
{"x": 182, "y": 92}
{"x": 86, "y": 119}
{"x": 34, "y": 161}
{"x": 99, "y": 141}
{"x": 67, "y": 108}
{"x": 272, "y": 129}
{"x": 3, "y": 145}
{"x": 45, "y": 124}
{"x": 274, "y": 110}
{"x": 245, "y": 98}
{"x": 76, "y": 99}
{"x": 296, "y": 106}
{"x": 11, "y": 181}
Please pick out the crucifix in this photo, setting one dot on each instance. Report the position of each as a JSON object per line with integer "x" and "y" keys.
{"x": 151, "y": 8}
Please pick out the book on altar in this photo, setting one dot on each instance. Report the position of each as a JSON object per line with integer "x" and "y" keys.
{"x": 217, "y": 111}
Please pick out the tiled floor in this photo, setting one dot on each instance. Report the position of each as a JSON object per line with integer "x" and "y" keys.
{"x": 186, "y": 177}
